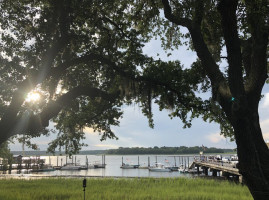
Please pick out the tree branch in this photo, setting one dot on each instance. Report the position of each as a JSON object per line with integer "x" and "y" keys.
{"x": 257, "y": 16}
{"x": 246, "y": 55}
{"x": 199, "y": 12}
{"x": 227, "y": 10}
{"x": 54, "y": 107}
{"x": 208, "y": 62}
{"x": 40, "y": 121}
{"x": 27, "y": 85}
{"x": 172, "y": 18}
{"x": 220, "y": 88}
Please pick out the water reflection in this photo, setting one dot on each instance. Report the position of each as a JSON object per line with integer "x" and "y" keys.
{"x": 113, "y": 164}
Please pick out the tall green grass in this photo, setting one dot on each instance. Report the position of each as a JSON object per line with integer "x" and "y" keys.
{"x": 119, "y": 189}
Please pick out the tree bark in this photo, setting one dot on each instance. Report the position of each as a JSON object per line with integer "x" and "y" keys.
{"x": 252, "y": 152}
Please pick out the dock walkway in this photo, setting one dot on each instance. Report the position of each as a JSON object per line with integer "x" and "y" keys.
{"x": 225, "y": 169}
{"x": 219, "y": 167}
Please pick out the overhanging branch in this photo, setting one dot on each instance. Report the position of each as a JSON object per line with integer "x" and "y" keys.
{"x": 215, "y": 75}
{"x": 172, "y": 18}
{"x": 54, "y": 107}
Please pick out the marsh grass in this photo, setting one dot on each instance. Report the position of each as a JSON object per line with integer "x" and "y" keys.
{"x": 119, "y": 189}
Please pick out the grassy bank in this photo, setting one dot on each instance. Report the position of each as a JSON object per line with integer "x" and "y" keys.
{"x": 107, "y": 188}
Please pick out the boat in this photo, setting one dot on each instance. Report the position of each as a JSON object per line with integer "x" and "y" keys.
{"x": 173, "y": 168}
{"x": 71, "y": 166}
{"x": 128, "y": 166}
{"x": 44, "y": 168}
{"x": 83, "y": 167}
{"x": 193, "y": 170}
{"x": 159, "y": 167}
{"x": 182, "y": 169}
{"x": 91, "y": 166}
{"x": 97, "y": 164}
{"x": 234, "y": 161}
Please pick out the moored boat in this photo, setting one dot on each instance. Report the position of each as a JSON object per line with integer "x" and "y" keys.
{"x": 173, "y": 168}
{"x": 70, "y": 166}
{"x": 99, "y": 165}
{"x": 159, "y": 167}
{"x": 128, "y": 166}
{"x": 44, "y": 168}
{"x": 182, "y": 169}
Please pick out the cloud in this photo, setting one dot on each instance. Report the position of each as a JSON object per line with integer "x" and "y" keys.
{"x": 266, "y": 100}
{"x": 44, "y": 142}
{"x": 88, "y": 130}
{"x": 111, "y": 146}
{"x": 265, "y": 129}
{"x": 215, "y": 138}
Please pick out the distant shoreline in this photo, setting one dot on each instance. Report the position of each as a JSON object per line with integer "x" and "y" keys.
{"x": 138, "y": 151}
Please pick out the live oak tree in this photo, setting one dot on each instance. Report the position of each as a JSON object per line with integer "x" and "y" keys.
{"x": 71, "y": 54}
{"x": 236, "y": 31}
{"x": 85, "y": 59}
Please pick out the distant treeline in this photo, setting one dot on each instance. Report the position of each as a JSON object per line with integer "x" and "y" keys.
{"x": 137, "y": 151}
{"x": 167, "y": 150}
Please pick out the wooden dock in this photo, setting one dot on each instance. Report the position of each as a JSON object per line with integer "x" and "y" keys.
{"x": 225, "y": 169}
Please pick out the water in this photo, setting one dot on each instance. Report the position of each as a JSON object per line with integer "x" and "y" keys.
{"x": 113, "y": 163}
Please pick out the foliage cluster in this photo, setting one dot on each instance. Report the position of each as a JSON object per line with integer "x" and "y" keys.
{"x": 86, "y": 60}
{"x": 6, "y": 157}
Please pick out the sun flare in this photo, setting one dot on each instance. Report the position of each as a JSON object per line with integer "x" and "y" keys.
{"x": 32, "y": 97}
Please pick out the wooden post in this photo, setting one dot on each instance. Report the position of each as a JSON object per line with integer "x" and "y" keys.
{"x": 138, "y": 160}
{"x": 57, "y": 160}
{"x": 29, "y": 164}
{"x": 156, "y": 159}
{"x": 206, "y": 171}
{"x": 148, "y": 161}
{"x": 188, "y": 163}
{"x": 240, "y": 179}
{"x": 75, "y": 160}
{"x": 122, "y": 161}
{"x": 175, "y": 161}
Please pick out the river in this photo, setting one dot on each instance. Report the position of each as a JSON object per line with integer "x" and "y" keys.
{"x": 113, "y": 163}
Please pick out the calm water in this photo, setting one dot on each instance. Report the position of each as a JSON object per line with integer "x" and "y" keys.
{"x": 113, "y": 164}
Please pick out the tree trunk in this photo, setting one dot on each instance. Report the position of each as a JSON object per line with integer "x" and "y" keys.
{"x": 253, "y": 154}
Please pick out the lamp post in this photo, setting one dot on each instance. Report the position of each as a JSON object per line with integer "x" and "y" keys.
{"x": 84, "y": 186}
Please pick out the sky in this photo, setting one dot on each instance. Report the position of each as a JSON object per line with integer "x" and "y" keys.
{"x": 135, "y": 132}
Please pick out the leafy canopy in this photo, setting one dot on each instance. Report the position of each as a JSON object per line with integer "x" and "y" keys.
{"x": 85, "y": 58}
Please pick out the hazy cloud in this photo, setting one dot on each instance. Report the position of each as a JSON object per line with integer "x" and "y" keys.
{"x": 265, "y": 129}
{"x": 107, "y": 146}
{"x": 215, "y": 138}
{"x": 266, "y": 100}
